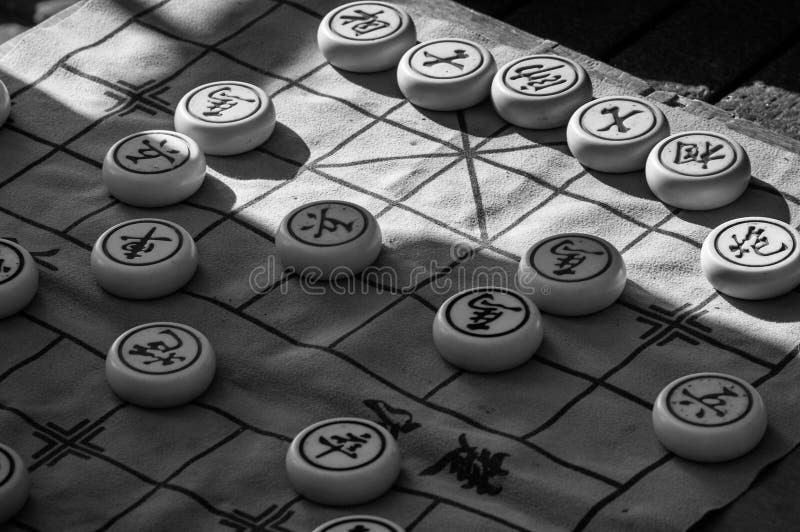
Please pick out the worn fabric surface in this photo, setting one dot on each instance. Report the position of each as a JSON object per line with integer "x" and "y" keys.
{"x": 562, "y": 443}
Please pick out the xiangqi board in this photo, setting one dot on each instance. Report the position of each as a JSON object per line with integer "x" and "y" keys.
{"x": 564, "y": 441}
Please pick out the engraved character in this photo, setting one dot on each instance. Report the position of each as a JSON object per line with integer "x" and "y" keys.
{"x": 691, "y": 153}
{"x": 616, "y": 120}
{"x": 485, "y": 311}
{"x": 538, "y": 76}
{"x": 710, "y": 402}
{"x": 136, "y": 246}
{"x": 450, "y": 60}
{"x": 348, "y": 445}
{"x": 154, "y": 152}
{"x": 220, "y": 100}
{"x": 323, "y": 223}
{"x": 569, "y": 257}
{"x": 757, "y": 241}
{"x": 160, "y": 351}
{"x": 364, "y": 22}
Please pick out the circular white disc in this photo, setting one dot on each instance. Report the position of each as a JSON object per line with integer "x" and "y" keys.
{"x": 540, "y": 91}
{"x": 160, "y": 365}
{"x": 752, "y": 258}
{"x": 698, "y": 170}
{"x": 359, "y": 523}
{"x": 226, "y": 117}
{"x": 154, "y": 168}
{"x": 572, "y": 274}
{"x": 616, "y": 133}
{"x": 326, "y": 239}
{"x": 446, "y": 74}
{"x": 709, "y": 417}
{"x": 343, "y": 461}
{"x": 487, "y": 329}
{"x": 19, "y": 278}
{"x": 366, "y": 36}
{"x": 144, "y": 258}
{"x": 14, "y": 483}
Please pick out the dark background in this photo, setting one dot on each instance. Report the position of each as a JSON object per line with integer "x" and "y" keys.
{"x": 741, "y": 55}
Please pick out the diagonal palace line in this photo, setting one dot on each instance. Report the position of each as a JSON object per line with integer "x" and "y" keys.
{"x": 422, "y": 184}
{"x": 386, "y": 159}
{"x": 385, "y": 382}
{"x": 232, "y": 214}
{"x": 650, "y": 230}
{"x": 492, "y": 151}
{"x": 480, "y": 212}
{"x": 587, "y": 199}
{"x": 411, "y": 210}
{"x": 436, "y": 389}
{"x": 553, "y": 195}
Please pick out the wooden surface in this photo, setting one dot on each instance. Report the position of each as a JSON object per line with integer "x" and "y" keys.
{"x": 757, "y": 92}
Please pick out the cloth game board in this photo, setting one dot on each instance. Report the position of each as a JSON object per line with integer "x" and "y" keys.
{"x": 562, "y": 443}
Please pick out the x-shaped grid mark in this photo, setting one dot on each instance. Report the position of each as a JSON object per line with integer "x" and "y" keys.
{"x": 270, "y": 520}
{"x": 61, "y": 442}
{"x": 129, "y": 97}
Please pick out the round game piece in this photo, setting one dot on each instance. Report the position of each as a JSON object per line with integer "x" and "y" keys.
{"x": 446, "y": 74}
{"x": 366, "y": 36}
{"x": 160, "y": 365}
{"x": 752, "y": 258}
{"x": 698, "y": 170}
{"x": 359, "y": 523}
{"x": 154, "y": 168}
{"x": 615, "y": 134}
{"x": 327, "y": 239}
{"x": 226, "y": 117}
{"x": 19, "y": 278}
{"x": 709, "y": 417}
{"x": 572, "y": 274}
{"x": 5, "y": 103}
{"x": 14, "y": 483}
{"x": 343, "y": 461}
{"x": 487, "y": 329}
{"x": 144, "y": 259}
{"x": 540, "y": 91}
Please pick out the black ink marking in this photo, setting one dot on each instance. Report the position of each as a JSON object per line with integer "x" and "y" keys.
{"x": 538, "y": 76}
{"x": 323, "y": 223}
{"x": 692, "y": 153}
{"x": 475, "y": 469}
{"x": 220, "y": 100}
{"x": 154, "y": 152}
{"x": 364, "y": 22}
{"x": 757, "y": 242}
{"x": 618, "y": 121}
{"x": 348, "y": 445}
{"x": 486, "y": 311}
{"x": 141, "y": 245}
{"x": 160, "y": 352}
{"x": 395, "y": 420}
{"x": 451, "y": 60}
{"x": 569, "y": 257}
